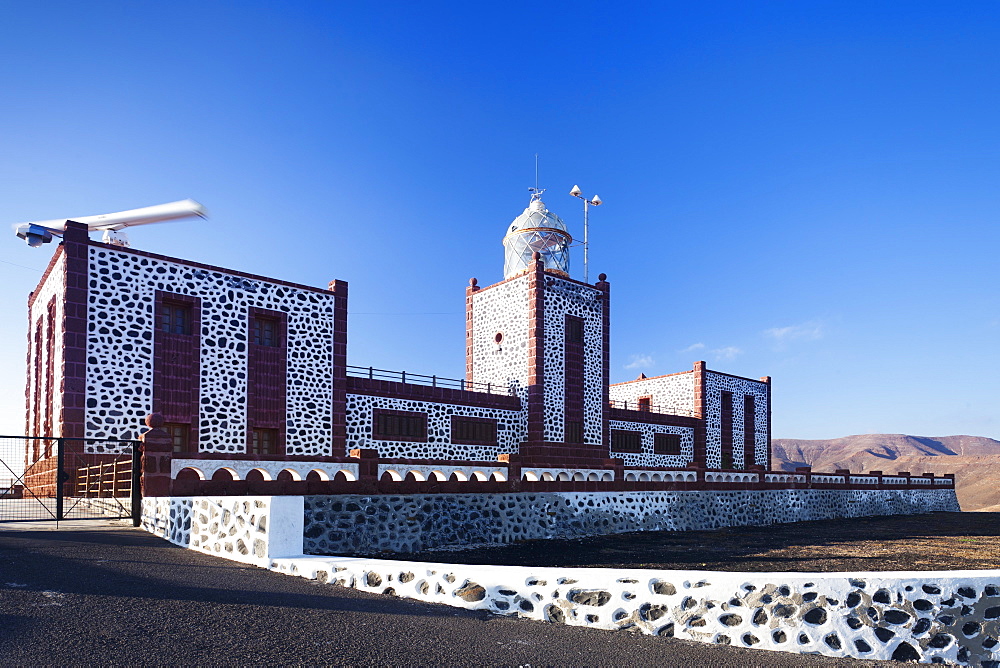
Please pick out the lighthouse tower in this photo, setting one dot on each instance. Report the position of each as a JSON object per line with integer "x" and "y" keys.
{"x": 545, "y": 336}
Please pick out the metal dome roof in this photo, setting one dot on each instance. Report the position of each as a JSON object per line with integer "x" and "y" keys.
{"x": 536, "y": 215}
{"x": 536, "y": 230}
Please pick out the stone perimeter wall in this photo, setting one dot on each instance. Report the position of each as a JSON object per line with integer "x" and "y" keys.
{"x": 944, "y": 616}
{"x": 933, "y": 616}
{"x": 348, "y": 524}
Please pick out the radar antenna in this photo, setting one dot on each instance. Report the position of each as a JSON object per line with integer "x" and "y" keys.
{"x": 41, "y": 232}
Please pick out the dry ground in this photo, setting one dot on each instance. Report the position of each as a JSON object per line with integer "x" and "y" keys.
{"x": 935, "y": 541}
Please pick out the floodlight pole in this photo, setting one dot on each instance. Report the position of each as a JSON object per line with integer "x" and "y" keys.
{"x": 576, "y": 192}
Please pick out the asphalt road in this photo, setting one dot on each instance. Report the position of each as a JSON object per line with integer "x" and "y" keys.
{"x": 95, "y": 593}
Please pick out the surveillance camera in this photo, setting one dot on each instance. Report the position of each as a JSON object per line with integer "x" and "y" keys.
{"x": 35, "y": 235}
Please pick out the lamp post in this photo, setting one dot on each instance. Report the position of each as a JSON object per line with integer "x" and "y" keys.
{"x": 576, "y": 192}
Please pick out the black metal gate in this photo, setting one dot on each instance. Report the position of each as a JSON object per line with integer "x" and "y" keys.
{"x": 53, "y": 478}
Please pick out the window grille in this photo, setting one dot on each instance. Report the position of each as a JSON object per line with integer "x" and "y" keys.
{"x": 666, "y": 444}
{"x": 626, "y": 440}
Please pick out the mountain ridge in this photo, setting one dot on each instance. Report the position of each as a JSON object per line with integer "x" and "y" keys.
{"x": 975, "y": 460}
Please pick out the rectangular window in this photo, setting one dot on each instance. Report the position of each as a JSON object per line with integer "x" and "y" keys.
{"x": 179, "y": 434}
{"x": 644, "y": 403}
{"x": 264, "y": 331}
{"x": 726, "y": 436}
{"x": 666, "y": 444}
{"x": 400, "y": 426}
{"x": 574, "y": 431}
{"x": 263, "y": 441}
{"x": 574, "y": 329}
{"x": 626, "y": 440}
{"x": 474, "y": 431}
{"x": 749, "y": 430}
{"x": 173, "y": 318}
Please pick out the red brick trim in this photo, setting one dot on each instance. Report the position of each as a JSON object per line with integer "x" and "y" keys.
{"x": 167, "y": 347}
{"x": 646, "y": 417}
{"x": 438, "y": 395}
{"x": 749, "y": 430}
{"x": 605, "y": 297}
{"x": 45, "y": 275}
{"x": 767, "y": 381}
{"x": 700, "y": 411}
{"x": 74, "y": 327}
{"x": 270, "y": 386}
{"x": 339, "y": 407}
{"x": 536, "y": 351}
{"x": 470, "y": 292}
{"x": 574, "y": 360}
{"x": 379, "y": 436}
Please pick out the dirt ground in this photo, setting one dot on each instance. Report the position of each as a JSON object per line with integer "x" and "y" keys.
{"x": 935, "y": 541}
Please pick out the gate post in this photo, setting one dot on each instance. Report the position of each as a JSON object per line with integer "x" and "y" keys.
{"x": 60, "y": 460}
{"x": 157, "y": 451}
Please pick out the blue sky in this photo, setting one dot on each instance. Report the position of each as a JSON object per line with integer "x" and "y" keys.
{"x": 806, "y": 190}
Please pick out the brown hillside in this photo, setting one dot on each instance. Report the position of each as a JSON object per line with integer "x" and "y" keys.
{"x": 975, "y": 460}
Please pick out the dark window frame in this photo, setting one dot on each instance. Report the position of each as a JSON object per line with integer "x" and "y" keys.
{"x": 386, "y": 428}
{"x": 180, "y": 435}
{"x": 575, "y": 329}
{"x": 265, "y": 329}
{"x": 177, "y": 319}
{"x": 627, "y": 441}
{"x": 259, "y": 445}
{"x": 467, "y": 430}
{"x": 574, "y": 432}
{"x": 666, "y": 444}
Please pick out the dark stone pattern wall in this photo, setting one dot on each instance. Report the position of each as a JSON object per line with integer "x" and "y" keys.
{"x": 347, "y": 524}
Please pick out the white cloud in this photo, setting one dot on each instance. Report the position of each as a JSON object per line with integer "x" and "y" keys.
{"x": 726, "y": 354}
{"x": 693, "y": 347}
{"x": 640, "y": 362}
{"x": 806, "y": 331}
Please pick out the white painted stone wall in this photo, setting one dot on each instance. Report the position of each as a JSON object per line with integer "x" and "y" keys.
{"x": 239, "y": 468}
{"x": 675, "y": 391}
{"x": 120, "y": 350}
{"x": 940, "y": 616}
{"x": 502, "y": 309}
{"x": 38, "y": 314}
{"x": 715, "y": 384}
{"x": 512, "y": 428}
{"x": 248, "y": 529}
{"x": 943, "y": 616}
{"x": 564, "y": 298}
{"x": 647, "y": 457}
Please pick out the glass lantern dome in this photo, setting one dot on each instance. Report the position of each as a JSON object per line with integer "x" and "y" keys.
{"x": 536, "y": 230}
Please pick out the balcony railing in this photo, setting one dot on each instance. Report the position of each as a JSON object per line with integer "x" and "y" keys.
{"x": 647, "y": 408}
{"x": 371, "y": 373}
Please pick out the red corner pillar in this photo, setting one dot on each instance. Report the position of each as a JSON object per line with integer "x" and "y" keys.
{"x": 605, "y": 288}
{"x": 767, "y": 380}
{"x": 700, "y": 412}
{"x": 75, "y": 245}
{"x": 339, "y": 407}
{"x": 536, "y": 349}
{"x": 157, "y": 451}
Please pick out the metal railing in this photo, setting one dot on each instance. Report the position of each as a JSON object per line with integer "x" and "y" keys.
{"x": 647, "y": 408}
{"x": 371, "y": 373}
